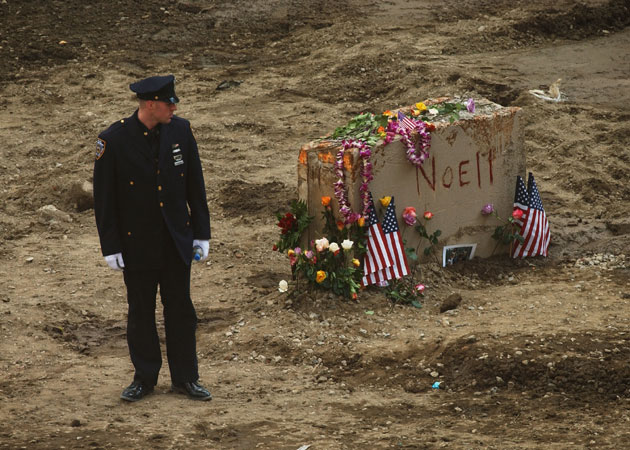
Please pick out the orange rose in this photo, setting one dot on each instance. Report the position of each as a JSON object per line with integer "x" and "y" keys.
{"x": 325, "y": 201}
{"x": 361, "y": 221}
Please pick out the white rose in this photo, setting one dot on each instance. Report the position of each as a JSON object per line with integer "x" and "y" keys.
{"x": 433, "y": 111}
{"x": 347, "y": 244}
{"x": 321, "y": 244}
{"x": 334, "y": 247}
{"x": 283, "y": 286}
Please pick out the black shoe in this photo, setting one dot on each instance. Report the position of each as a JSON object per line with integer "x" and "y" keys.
{"x": 135, "y": 391}
{"x": 193, "y": 390}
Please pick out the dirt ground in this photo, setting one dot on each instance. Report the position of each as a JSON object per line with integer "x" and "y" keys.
{"x": 535, "y": 356}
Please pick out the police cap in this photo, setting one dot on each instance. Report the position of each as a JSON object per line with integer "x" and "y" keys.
{"x": 156, "y": 88}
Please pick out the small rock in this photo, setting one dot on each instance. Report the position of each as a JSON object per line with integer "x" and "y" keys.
{"x": 29, "y": 259}
{"x": 451, "y": 302}
{"x": 81, "y": 195}
{"x": 51, "y": 212}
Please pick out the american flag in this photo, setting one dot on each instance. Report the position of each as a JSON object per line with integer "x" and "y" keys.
{"x": 535, "y": 228}
{"x": 394, "y": 247}
{"x": 405, "y": 122}
{"x": 376, "y": 257}
{"x": 520, "y": 199}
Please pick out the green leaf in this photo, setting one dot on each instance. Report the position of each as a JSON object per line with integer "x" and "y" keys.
{"x": 416, "y": 303}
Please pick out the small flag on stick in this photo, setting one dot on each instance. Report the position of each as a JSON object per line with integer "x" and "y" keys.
{"x": 535, "y": 227}
{"x": 405, "y": 122}
{"x": 394, "y": 247}
{"x": 376, "y": 257}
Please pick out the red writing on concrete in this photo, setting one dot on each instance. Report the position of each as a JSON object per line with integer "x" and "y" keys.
{"x": 464, "y": 178}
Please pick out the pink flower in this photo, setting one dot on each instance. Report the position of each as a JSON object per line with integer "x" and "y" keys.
{"x": 428, "y": 215}
{"x": 470, "y": 105}
{"x": 517, "y": 213}
{"x": 488, "y": 208}
{"x": 419, "y": 288}
{"x": 409, "y": 215}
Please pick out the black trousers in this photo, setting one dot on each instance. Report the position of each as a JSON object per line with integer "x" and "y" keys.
{"x": 180, "y": 320}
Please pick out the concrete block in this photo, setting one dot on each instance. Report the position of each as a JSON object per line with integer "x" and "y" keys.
{"x": 472, "y": 162}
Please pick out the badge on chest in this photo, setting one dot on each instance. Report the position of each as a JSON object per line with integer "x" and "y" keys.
{"x": 178, "y": 159}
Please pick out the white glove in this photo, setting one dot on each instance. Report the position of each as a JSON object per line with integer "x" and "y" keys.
{"x": 115, "y": 261}
{"x": 204, "y": 245}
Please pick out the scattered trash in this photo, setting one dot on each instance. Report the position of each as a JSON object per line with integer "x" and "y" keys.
{"x": 436, "y": 385}
{"x": 552, "y": 95}
{"x": 369, "y": 313}
{"x": 304, "y": 447}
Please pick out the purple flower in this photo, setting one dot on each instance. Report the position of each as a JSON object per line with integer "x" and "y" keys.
{"x": 470, "y": 105}
{"x": 487, "y": 209}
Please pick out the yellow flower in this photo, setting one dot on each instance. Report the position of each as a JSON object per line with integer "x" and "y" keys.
{"x": 385, "y": 201}
{"x": 388, "y": 113}
{"x": 415, "y": 112}
{"x": 356, "y": 262}
{"x": 291, "y": 252}
{"x": 421, "y": 106}
{"x": 361, "y": 221}
{"x": 321, "y": 276}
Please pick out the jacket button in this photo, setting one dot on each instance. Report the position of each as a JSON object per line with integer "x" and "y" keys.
{"x": 158, "y": 172}
{"x": 181, "y": 174}
{"x": 159, "y": 188}
{"x": 128, "y": 233}
{"x": 161, "y": 204}
{"x": 131, "y": 183}
{"x": 187, "y": 224}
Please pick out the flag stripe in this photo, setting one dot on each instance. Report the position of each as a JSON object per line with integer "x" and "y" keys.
{"x": 376, "y": 257}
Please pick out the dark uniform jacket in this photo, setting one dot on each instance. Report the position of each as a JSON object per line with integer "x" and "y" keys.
{"x": 139, "y": 196}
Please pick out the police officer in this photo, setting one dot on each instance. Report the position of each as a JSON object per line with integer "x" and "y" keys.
{"x": 151, "y": 211}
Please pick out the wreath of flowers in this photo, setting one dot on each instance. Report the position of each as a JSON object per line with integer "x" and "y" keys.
{"x": 418, "y": 152}
{"x": 365, "y": 152}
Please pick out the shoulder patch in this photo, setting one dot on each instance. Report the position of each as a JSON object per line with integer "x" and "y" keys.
{"x": 100, "y": 148}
